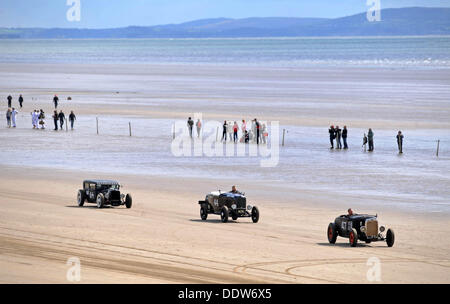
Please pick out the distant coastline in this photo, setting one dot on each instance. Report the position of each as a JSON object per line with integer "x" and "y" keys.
{"x": 413, "y": 21}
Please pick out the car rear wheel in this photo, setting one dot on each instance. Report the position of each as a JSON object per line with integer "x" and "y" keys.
{"x": 100, "y": 200}
{"x": 128, "y": 201}
{"x": 81, "y": 198}
{"x": 353, "y": 237}
{"x": 224, "y": 214}
{"x": 332, "y": 233}
{"x": 390, "y": 237}
{"x": 203, "y": 212}
{"x": 255, "y": 214}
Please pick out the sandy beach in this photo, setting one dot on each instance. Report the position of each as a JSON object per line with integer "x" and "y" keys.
{"x": 162, "y": 239}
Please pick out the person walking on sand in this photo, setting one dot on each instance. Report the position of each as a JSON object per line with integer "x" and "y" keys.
{"x": 235, "y": 131}
{"x": 344, "y": 137}
{"x": 72, "y": 119}
{"x": 400, "y": 142}
{"x": 258, "y": 129}
{"x": 199, "y": 127}
{"x": 13, "y": 117}
{"x": 55, "y": 101}
{"x": 9, "y": 101}
{"x": 55, "y": 119}
{"x": 190, "y": 124}
{"x": 230, "y": 130}
{"x": 332, "y": 136}
{"x": 61, "y": 117}
{"x": 33, "y": 119}
{"x": 20, "y": 100}
{"x": 338, "y": 138}
{"x": 370, "y": 139}
{"x": 224, "y": 131}
{"x": 42, "y": 119}
{"x": 243, "y": 126}
{"x": 8, "y": 118}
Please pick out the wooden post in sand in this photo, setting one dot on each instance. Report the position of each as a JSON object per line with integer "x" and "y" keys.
{"x": 97, "y": 125}
{"x": 173, "y": 131}
{"x": 129, "y": 127}
{"x": 282, "y": 143}
{"x": 437, "y": 150}
{"x": 67, "y": 127}
{"x": 217, "y": 134}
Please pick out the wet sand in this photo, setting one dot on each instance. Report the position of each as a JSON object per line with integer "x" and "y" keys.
{"x": 162, "y": 239}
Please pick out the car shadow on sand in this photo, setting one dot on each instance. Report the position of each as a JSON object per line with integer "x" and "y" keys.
{"x": 89, "y": 207}
{"x": 218, "y": 221}
{"x": 344, "y": 245}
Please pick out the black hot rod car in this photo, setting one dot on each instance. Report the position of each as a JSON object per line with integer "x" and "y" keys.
{"x": 102, "y": 193}
{"x": 227, "y": 204}
{"x": 362, "y": 227}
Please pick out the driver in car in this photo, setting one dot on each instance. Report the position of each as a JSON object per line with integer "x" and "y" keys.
{"x": 234, "y": 190}
{"x": 350, "y": 211}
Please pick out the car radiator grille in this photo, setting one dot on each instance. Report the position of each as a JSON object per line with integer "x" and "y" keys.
{"x": 372, "y": 228}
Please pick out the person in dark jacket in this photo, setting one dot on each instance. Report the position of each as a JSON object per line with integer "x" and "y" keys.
{"x": 344, "y": 136}
{"x": 190, "y": 124}
{"x": 400, "y": 142}
{"x": 224, "y": 133}
{"x": 332, "y": 136}
{"x": 55, "y": 120}
{"x": 61, "y": 117}
{"x": 55, "y": 101}
{"x": 20, "y": 100}
{"x": 72, "y": 119}
{"x": 370, "y": 139}
{"x": 9, "y": 101}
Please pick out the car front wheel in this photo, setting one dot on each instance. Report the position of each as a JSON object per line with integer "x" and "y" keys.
{"x": 255, "y": 214}
{"x": 81, "y": 198}
{"x": 100, "y": 200}
{"x": 224, "y": 214}
{"x": 353, "y": 237}
{"x": 390, "y": 237}
{"x": 203, "y": 213}
{"x": 128, "y": 201}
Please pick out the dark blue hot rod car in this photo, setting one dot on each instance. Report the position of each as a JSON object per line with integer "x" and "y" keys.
{"x": 362, "y": 227}
{"x": 227, "y": 204}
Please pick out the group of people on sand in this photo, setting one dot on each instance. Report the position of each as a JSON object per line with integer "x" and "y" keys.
{"x": 38, "y": 116}
{"x": 336, "y": 134}
{"x": 38, "y": 119}
{"x": 257, "y": 133}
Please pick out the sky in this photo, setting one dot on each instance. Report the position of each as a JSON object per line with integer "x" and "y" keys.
{"x": 122, "y": 13}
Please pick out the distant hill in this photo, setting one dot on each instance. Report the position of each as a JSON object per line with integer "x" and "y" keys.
{"x": 401, "y": 21}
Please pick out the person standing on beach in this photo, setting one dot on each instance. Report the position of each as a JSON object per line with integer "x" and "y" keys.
{"x": 55, "y": 101}
{"x": 258, "y": 129}
{"x": 9, "y": 101}
{"x": 235, "y": 131}
{"x": 370, "y": 139}
{"x": 344, "y": 136}
{"x": 190, "y": 125}
{"x": 13, "y": 117}
{"x": 224, "y": 131}
{"x": 338, "y": 133}
{"x": 400, "y": 142}
{"x": 332, "y": 136}
{"x": 8, "y": 118}
{"x": 199, "y": 127}
{"x": 20, "y": 100}
{"x": 61, "y": 117}
{"x": 42, "y": 119}
{"x": 72, "y": 119}
{"x": 55, "y": 120}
